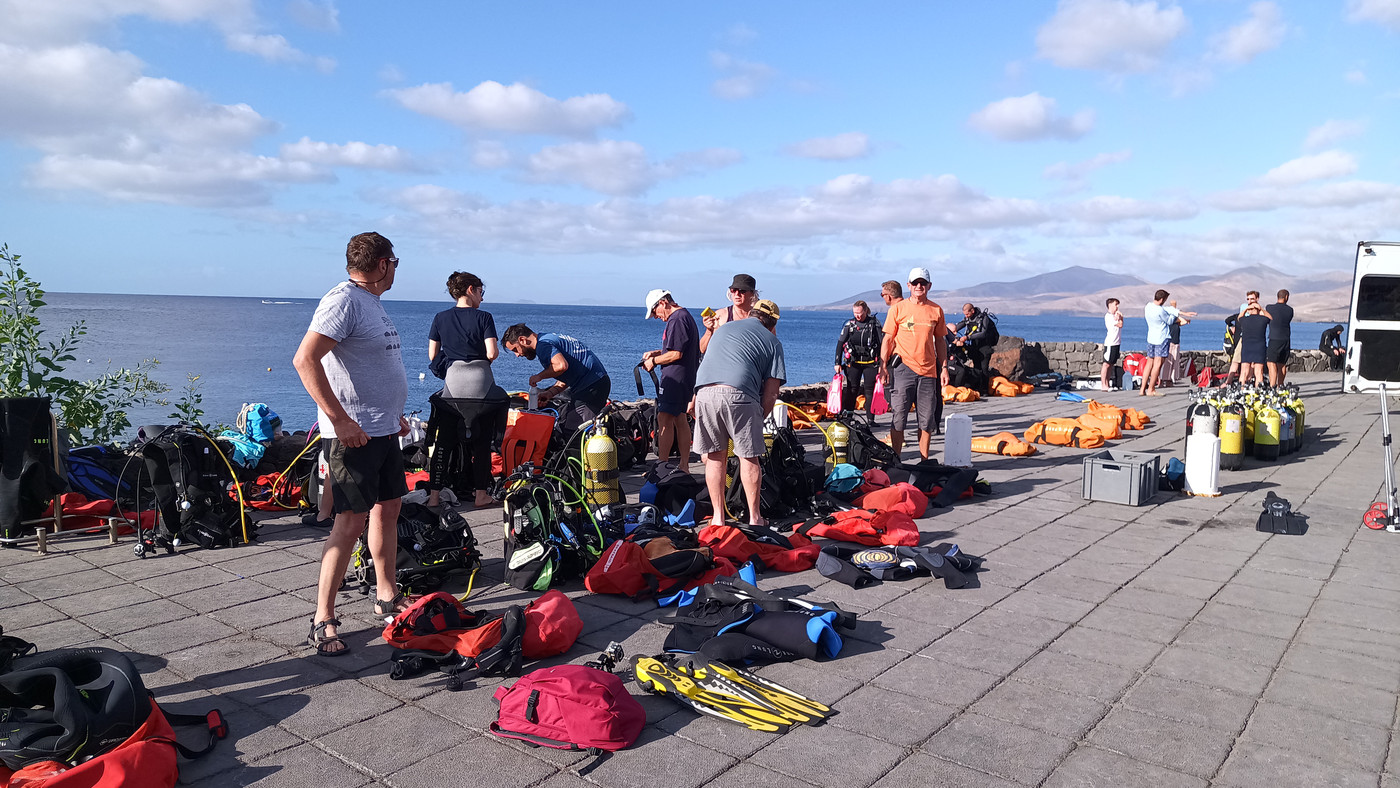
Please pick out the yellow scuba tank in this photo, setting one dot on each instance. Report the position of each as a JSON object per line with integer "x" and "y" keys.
{"x": 600, "y": 474}
{"x": 1231, "y": 438}
{"x": 1267, "y": 430}
{"x": 840, "y": 443}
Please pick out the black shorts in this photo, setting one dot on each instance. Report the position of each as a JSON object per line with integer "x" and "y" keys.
{"x": 1278, "y": 353}
{"x": 365, "y": 475}
{"x": 1110, "y": 354}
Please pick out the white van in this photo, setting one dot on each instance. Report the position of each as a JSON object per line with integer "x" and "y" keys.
{"x": 1373, "y": 334}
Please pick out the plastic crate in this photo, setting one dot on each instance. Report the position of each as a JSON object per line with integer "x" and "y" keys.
{"x": 1125, "y": 477}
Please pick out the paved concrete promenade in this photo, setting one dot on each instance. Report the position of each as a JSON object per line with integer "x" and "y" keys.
{"x": 1163, "y": 645}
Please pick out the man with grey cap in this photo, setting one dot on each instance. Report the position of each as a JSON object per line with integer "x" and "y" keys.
{"x": 743, "y": 294}
{"x": 913, "y": 361}
{"x": 735, "y": 387}
{"x": 679, "y": 358}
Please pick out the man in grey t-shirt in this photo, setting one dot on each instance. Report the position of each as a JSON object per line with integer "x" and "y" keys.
{"x": 351, "y": 365}
{"x": 736, "y": 385}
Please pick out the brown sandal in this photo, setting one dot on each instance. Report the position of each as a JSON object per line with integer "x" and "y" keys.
{"x": 391, "y": 607}
{"x": 319, "y": 640}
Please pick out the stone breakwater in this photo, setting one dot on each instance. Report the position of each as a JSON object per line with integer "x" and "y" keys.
{"x": 1085, "y": 359}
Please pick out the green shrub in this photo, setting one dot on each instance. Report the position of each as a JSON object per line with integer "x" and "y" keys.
{"x": 93, "y": 410}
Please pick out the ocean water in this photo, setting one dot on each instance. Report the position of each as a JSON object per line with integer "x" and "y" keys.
{"x": 242, "y": 347}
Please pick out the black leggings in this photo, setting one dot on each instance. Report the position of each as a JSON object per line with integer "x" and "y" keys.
{"x": 860, "y": 379}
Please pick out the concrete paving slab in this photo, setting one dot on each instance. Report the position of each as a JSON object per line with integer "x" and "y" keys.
{"x": 1161, "y": 741}
{"x": 1325, "y": 738}
{"x": 1192, "y": 704}
{"x": 491, "y": 764}
{"x": 1031, "y": 706}
{"x": 1090, "y": 766}
{"x": 1017, "y": 753}
{"x": 1341, "y": 699}
{"x": 1261, "y": 766}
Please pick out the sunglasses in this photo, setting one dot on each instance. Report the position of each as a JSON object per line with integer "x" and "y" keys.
{"x": 920, "y": 283}
{"x": 394, "y": 261}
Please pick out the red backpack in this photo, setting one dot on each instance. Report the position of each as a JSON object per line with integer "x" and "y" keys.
{"x": 624, "y": 569}
{"x": 570, "y": 707}
{"x": 439, "y": 622}
{"x": 865, "y": 526}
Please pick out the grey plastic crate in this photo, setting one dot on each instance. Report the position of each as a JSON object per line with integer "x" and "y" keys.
{"x": 1126, "y": 477}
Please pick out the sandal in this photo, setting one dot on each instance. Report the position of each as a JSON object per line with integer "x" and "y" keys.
{"x": 391, "y": 607}
{"x": 319, "y": 640}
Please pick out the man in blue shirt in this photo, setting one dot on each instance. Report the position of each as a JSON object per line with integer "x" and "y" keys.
{"x": 569, "y": 362}
{"x": 679, "y": 358}
{"x": 736, "y": 386}
{"x": 1159, "y": 321}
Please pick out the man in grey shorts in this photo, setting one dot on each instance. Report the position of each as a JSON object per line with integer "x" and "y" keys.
{"x": 735, "y": 388}
{"x": 351, "y": 365}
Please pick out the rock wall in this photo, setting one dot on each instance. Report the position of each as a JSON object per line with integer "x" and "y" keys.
{"x": 1085, "y": 359}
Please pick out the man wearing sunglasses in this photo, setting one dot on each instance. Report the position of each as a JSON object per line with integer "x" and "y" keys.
{"x": 351, "y": 365}
{"x": 913, "y": 361}
{"x": 743, "y": 294}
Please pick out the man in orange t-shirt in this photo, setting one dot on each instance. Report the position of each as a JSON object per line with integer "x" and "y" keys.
{"x": 913, "y": 361}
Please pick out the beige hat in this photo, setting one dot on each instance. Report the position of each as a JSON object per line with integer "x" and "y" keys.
{"x": 766, "y": 308}
{"x": 654, "y": 297}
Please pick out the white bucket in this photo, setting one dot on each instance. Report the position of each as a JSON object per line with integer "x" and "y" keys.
{"x": 1203, "y": 464}
{"x": 957, "y": 440}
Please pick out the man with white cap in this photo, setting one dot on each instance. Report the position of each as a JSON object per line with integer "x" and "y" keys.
{"x": 913, "y": 361}
{"x": 679, "y": 358}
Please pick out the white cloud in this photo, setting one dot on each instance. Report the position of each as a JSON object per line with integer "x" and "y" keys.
{"x": 56, "y": 22}
{"x": 1346, "y": 194}
{"x": 1355, "y": 77}
{"x": 1109, "y": 35}
{"x": 490, "y": 155}
{"x": 390, "y": 73}
{"x": 1105, "y": 209}
{"x": 1386, "y": 12}
{"x": 1264, "y": 30}
{"x": 179, "y": 178}
{"x": 101, "y": 125}
{"x": 851, "y": 206}
{"x": 850, "y": 145}
{"x": 1315, "y": 167}
{"x": 1030, "y": 117}
{"x": 1079, "y": 170}
{"x": 617, "y": 167}
{"x": 275, "y": 49}
{"x": 517, "y": 108}
{"x": 316, "y": 14}
{"x": 350, "y": 154}
{"x": 1332, "y": 132}
{"x": 745, "y": 78}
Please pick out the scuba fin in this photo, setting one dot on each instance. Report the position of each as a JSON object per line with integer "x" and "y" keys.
{"x": 655, "y": 676}
{"x": 719, "y": 676}
{"x": 1278, "y": 517}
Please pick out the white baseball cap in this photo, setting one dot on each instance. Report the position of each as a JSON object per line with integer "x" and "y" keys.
{"x": 655, "y": 296}
{"x": 915, "y": 274}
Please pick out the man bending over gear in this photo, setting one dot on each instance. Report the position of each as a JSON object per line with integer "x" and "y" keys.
{"x": 735, "y": 388}
{"x": 570, "y": 363}
{"x": 981, "y": 338}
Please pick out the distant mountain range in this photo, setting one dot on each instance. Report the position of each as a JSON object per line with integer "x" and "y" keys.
{"x": 1319, "y": 297}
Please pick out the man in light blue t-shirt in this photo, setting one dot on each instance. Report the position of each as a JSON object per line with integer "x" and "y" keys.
{"x": 736, "y": 385}
{"x": 569, "y": 362}
{"x": 1159, "y": 322}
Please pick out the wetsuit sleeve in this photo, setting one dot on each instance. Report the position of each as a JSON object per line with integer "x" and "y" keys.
{"x": 841, "y": 341}
{"x": 979, "y": 328}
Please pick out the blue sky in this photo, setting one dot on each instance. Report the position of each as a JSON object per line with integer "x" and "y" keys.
{"x": 587, "y": 152}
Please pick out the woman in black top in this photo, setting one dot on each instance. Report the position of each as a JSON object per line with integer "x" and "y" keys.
{"x": 1253, "y": 329}
{"x": 465, "y": 338}
{"x": 461, "y": 346}
{"x": 858, "y": 355}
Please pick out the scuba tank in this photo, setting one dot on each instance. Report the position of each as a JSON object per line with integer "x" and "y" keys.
{"x": 840, "y": 443}
{"x": 1287, "y": 443}
{"x": 600, "y": 474}
{"x": 1231, "y": 438}
{"x": 1203, "y": 464}
{"x": 1203, "y": 417}
{"x": 1267, "y": 428}
{"x": 1251, "y": 417}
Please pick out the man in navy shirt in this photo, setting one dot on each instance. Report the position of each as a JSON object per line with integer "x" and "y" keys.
{"x": 679, "y": 358}
{"x": 1280, "y": 338}
{"x": 569, "y": 362}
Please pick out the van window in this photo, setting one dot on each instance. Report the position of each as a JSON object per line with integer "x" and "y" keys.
{"x": 1378, "y": 298}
